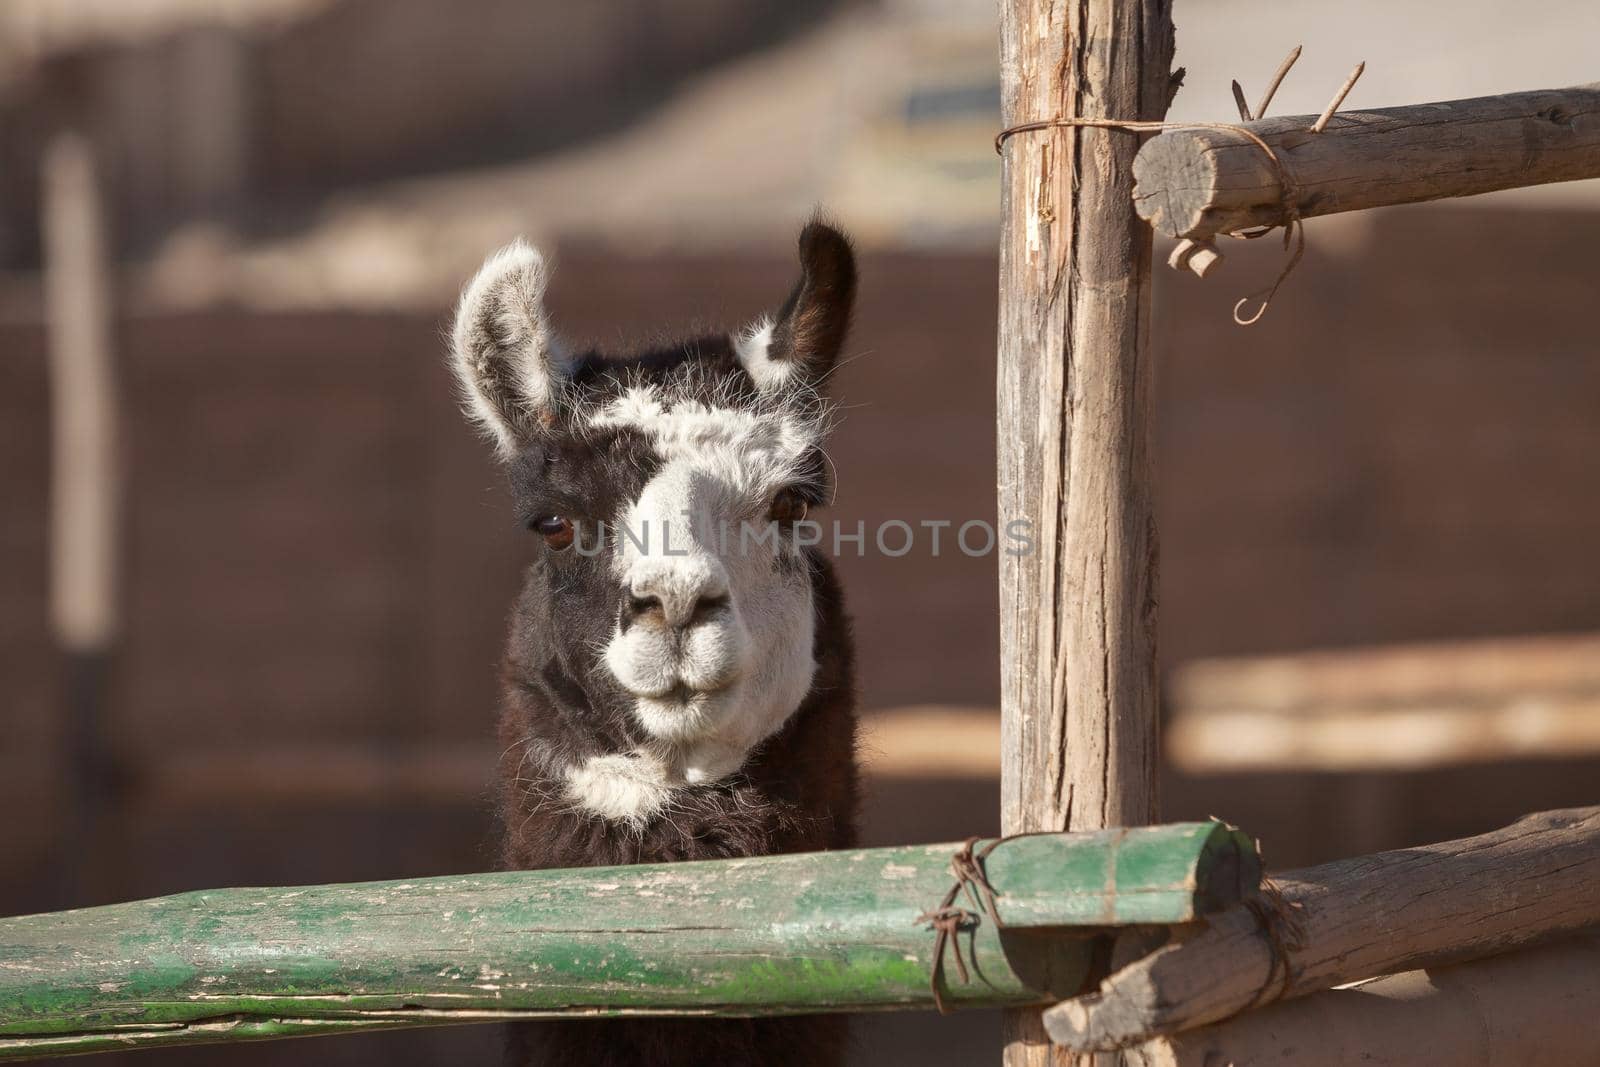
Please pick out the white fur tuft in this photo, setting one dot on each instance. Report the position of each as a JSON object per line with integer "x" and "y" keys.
{"x": 753, "y": 345}
{"x": 628, "y": 786}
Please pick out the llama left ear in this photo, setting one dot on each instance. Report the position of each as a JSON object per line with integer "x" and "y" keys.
{"x": 507, "y": 362}
{"x": 803, "y": 343}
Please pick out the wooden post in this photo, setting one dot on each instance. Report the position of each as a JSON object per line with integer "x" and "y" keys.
{"x": 84, "y": 483}
{"x": 1078, "y": 611}
{"x": 212, "y": 119}
{"x": 83, "y": 399}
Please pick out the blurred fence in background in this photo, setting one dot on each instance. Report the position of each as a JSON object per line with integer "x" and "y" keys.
{"x": 320, "y": 555}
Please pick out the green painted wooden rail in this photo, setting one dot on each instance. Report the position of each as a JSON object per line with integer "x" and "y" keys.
{"x": 834, "y": 931}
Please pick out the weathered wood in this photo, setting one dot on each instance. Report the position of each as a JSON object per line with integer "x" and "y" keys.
{"x": 1077, "y": 612}
{"x": 1416, "y": 907}
{"x": 1537, "y": 1006}
{"x": 1392, "y": 707}
{"x": 1197, "y": 183}
{"x": 773, "y": 935}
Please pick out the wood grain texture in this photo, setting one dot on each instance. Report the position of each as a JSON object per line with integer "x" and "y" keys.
{"x": 1534, "y": 1006}
{"x": 1078, "y": 611}
{"x": 1196, "y": 183}
{"x": 1357, "y": 918}
{"x": 772, "y": 935}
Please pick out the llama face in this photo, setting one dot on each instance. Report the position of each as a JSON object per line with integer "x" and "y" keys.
{"x": 667, "y": 486}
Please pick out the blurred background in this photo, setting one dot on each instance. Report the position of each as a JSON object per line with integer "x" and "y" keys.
{"x": 254, "y": 569}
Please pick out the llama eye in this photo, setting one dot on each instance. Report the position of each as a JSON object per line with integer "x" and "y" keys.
{"x": 787, "y": 506}
{"x": 556, "y": 531}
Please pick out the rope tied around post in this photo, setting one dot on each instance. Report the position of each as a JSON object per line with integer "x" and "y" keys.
{"x": 1284, "y": 935}
{"x": 1293, "y": 229}
{"x": 947, "y": 920}
{"x": 1288, "y": 189}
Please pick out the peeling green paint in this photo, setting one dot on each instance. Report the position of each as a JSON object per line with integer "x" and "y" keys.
{"x": 773, "y": 935}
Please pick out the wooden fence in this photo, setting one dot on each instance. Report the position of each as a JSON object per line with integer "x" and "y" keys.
{"x": 849, "y": 930}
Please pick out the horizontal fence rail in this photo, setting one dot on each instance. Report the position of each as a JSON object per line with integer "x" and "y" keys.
{"x": 1353, "y": 919}
{"x": 835, "y": 931}
{"x": 1199, "y": 182}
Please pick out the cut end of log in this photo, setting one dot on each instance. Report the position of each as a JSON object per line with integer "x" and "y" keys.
{"x": 1198, "y": 256}
{"x": 1170, "y": 176}
{"x": 1229, "y": 871}
{"x": 1204, "y": 258}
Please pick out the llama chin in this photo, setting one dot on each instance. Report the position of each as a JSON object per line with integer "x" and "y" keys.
{"x": 669, "y": 692}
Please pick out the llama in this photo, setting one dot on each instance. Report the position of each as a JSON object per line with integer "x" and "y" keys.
{"x": 678, "y": 682}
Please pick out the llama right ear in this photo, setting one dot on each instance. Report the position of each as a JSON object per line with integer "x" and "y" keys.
{"x": 505, "y": 358}
{"x": 803, "y": 342}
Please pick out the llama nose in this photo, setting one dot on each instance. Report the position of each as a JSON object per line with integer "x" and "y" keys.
{"x": 679, "y": 612}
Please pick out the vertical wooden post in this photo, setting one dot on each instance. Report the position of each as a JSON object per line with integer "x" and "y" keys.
{"x": 1077, "y": 612}
{"x": 83, "y": 496}
{"x": 84, "y": 483}
{"x": 212, "y": 122}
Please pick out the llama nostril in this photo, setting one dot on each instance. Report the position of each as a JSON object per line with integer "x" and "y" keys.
{"x": 636, "y": 608}
{"x": 675, "y": 614}
{"x": 706, "y": 607}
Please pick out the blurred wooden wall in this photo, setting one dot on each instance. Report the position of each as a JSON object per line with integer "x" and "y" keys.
{"x": 197, "y": 114}
{"x": 320, "y": 556}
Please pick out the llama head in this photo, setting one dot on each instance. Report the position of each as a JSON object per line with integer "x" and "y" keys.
{"x": 668, "y": 488}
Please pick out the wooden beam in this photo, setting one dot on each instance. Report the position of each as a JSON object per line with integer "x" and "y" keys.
{"x": 1196, "y": 183}
{"x": 1077, "y": 612}
{"x": 924, "y": 742}
{"x": 1350, "y": 739}
{"x": 771, "y": 935}
{"x": 1409, "y": 673}
{"x": 1534, "y": 1006}
{"x": 1354, "y": 919}
{"x": 1394, "y": 707}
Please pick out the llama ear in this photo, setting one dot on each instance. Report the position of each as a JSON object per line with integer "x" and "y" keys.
{"x": 804, "y": 341}
{"x": 506, "y": 361}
